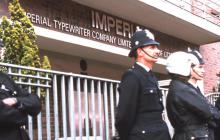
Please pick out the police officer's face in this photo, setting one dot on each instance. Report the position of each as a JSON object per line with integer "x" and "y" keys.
{"x": 150, "y": 53}
{"x": 197, "y": 72}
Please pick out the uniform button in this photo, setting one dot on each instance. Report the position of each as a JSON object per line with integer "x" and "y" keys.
{"x": 206, "y": 136}
{"x": 143, "y": 132}
{"x": 192, "y": 138}
{"x": 151, "y": 91}
{"x": 160, "y": 99}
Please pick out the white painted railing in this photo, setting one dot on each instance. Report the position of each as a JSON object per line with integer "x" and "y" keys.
{"x": 212, "y": 97}
{"x": 75, "y": 107}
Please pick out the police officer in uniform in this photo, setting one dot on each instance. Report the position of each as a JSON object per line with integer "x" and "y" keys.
{"x": 139, "y": 111}
{"x": 191, "y": 115}
{"x": 15, "y": 106}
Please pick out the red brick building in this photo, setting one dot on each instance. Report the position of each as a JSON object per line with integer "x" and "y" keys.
{"x": 211, "y": 54}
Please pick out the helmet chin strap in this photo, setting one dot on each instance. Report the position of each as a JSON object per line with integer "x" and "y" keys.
{"x": 148, "y": 54}
{"x": 196, "y": 73}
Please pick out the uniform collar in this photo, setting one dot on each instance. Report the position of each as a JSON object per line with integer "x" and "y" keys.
{"x": 146, "y": 72}
{"x": 143, "y": 66}
{"x": 193, "y": 84}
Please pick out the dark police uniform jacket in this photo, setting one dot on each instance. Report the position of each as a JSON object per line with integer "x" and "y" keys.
{"x": 12, "y": 118}
{"x": 139, "y": 112}
{"x": 189, "y": 112}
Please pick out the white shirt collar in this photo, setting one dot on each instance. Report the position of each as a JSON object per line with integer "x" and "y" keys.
{"x": 145, "y": 67}
{"x": 193, "y": 84}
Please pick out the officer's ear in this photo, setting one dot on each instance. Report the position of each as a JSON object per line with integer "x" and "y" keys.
{"x": 138, "y": 51}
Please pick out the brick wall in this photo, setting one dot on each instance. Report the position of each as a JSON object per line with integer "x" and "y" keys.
{"x": 211, "y": 54}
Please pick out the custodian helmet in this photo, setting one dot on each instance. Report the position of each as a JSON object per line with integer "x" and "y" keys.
{"x": 141, "y": 38}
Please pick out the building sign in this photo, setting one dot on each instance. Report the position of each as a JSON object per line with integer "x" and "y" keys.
{"x": 82, "y": 21}
{"x": 109, "y": 24}
{"x": 106, "y": 24}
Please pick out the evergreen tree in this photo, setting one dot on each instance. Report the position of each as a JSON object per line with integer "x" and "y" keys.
{"x": 46, "y": 63}
{"x": 19, "y": 39}
{"x": 19, "y": 42}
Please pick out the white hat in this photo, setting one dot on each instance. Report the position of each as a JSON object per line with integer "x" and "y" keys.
{"x": 179, "y": 63}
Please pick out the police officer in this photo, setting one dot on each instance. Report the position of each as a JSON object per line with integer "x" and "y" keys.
{"x": 139, "y": 111}
{"x": 15, "y": 105}
{"x": 192, "y": 117}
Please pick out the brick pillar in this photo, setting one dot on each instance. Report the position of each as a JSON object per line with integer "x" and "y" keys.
{"x": 211, "y": 55}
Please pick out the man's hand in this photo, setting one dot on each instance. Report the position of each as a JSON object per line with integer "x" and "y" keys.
{"x": 9, "y": 101}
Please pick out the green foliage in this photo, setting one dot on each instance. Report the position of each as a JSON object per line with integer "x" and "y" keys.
{"x": 46, "y": 63}
{"x": 19, "y": 40}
